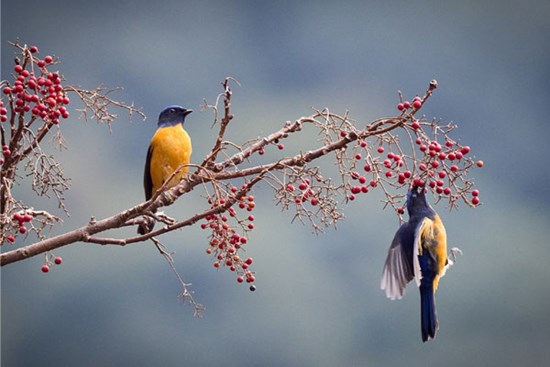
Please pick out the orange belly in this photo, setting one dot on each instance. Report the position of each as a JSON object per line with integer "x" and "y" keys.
{"x": 171, "y": 148}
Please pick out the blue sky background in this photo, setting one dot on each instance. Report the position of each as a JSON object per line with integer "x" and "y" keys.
{"x": 318, "y": 300}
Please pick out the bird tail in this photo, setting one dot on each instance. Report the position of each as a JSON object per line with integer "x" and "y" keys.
{"x": 427, "y": 310}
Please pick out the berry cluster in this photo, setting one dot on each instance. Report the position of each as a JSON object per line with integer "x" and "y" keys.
{"x": 3, "y": 112}
{"x": 434, "y": 160}
{"x": 50, "y": 261}
{"x": 18, "y": 226}
{"x": 36, "y": 90}
{"x": 21, "y": 219}
{"x": 225, "y": 242}
{"x": 305, "y": 194}
{"x": 6, "y": 152}
{"x": 415, "y": 105}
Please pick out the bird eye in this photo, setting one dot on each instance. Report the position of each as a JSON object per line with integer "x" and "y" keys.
{"x": 172, "y": 110}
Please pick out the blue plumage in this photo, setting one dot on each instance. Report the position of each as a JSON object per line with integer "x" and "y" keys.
{"x": 418, "y": 251}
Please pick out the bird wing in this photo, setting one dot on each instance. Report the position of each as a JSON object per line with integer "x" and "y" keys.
{"x": 147, "y": 179}
{"x": 398, "y": 266}
{"x": 430, "y": 237}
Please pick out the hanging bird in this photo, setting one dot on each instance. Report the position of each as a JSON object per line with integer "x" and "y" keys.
{"x": 419, "y": 251}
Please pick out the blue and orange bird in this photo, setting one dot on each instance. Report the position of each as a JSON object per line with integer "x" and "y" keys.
{"x": 170, "y": 150}
{"x": 419, "y": 251}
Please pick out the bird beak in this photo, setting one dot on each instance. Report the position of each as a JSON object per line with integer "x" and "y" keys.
{"x": 187, "y": 112}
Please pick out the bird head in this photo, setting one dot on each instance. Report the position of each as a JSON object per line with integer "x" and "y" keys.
{"x": 417, "y": 202}
{"x": 173, "y": 115}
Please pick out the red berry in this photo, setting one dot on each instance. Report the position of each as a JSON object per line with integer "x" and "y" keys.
{"x": 261, "y": 151}
{"x": 281, "y": 146}
{"x": 454, "y": 168}
{"x": 364, "y": 189}
{"x": 380, "y": 149}
{"x": 479, "y": 164}
{"x": 451, "y": 156}
{"x": 417, "y": 104}
{"x": 400, "y": 210}
{"x": 373, "y": 183}
{"x": 367, "y": 168}
{"x": 216, "y": 264}
{"x": 363, "y": 143}
{"x": 33, "y": 49}
{"x": 249, "y": 261}
{"x": 22, "y": 229}
{"x": 407, "y": 174}
{"x": 343, "y": 134}
{"x": 465, "y": 150}
{"x": 389, "y": 174}
{"x": 449, "y": 143}
{"x": 58, "y": 260}
{"x": 18, "y": 69}
{"x": 458, "y": 155}
{"x": 417, "y": 182}
{"x": 45, "y": 268}
{"x": 240, "y": 279}
{"x": 302, "y": 186}
{"x": 10, "y": 238}
{"x": 435, "y": 164}
{"x": 314, "y": 201}
{"x": 475, "y": 200}
{"x": 358, "y": 156}
{"x": 400, "y": 106}
{"x": 362, "y": 179}
{"x": 475, "y": 192}
{"x": 48, "y": 59}
{"x": 407, "y": 104}
{"x": 250, "y": 217}
{"x": 41, "y": 63}
{"x": 415, "y": 125}
{"x": 422, "y": 167}
{"x": 442, "y": 174}
{"x": 447, "y": 191}
{"x": 356, "y": 190}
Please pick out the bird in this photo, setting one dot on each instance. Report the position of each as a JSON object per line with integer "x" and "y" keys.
{"x": 170, "y": 149}
{"x": 418, "y": 251}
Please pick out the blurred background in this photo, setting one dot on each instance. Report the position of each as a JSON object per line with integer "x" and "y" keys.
{"x": 318, "y": 301}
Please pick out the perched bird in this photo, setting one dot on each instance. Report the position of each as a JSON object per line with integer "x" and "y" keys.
{"x": 419, "y": 251}
{"x": 169, "y": 150}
